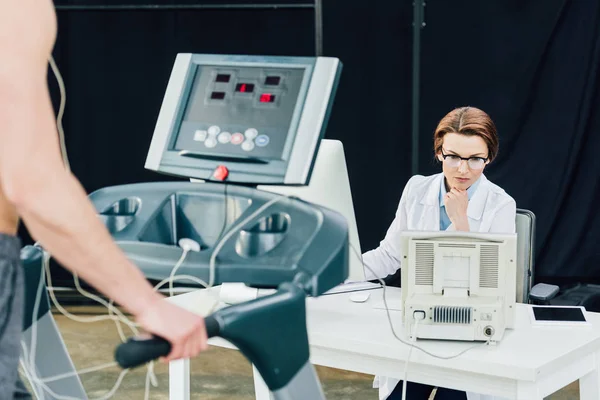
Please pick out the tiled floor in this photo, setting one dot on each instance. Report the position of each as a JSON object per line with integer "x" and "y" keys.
{"x": 218, "y": 374}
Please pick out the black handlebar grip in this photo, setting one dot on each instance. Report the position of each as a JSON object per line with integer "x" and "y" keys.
{"x": 212, "y": 326}
{"x": 136, "y": 351}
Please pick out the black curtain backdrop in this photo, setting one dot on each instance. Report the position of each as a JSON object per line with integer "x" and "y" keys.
{"x": 532, "y": 65}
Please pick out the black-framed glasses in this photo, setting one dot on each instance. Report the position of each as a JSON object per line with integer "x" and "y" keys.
{"x": 453, "y": 161}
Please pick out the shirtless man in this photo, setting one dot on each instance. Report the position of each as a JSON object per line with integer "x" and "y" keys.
{"x": 36, "y": 187}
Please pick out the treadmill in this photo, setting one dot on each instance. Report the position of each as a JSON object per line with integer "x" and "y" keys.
{"x": 230, "y": 123}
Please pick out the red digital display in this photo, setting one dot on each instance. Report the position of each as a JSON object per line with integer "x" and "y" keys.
{"x": 244, "y": 87}
{"x": 267, "y": 98}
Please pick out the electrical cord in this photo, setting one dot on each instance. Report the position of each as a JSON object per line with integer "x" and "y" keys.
{"x": 405, "y": 380}
{"x": 61, "y": 111}
{"x": 174, "y": 270}
{"x": 118, "y": 319}
{"x": 28, "y": 360}
{"x": 225, "y": 210}
{"x": 28, "y": 365}
{"x": 383, "y": 285}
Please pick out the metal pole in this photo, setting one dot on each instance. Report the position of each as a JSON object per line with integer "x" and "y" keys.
{"x": 179, "y": 7}
{"x": 418, "y": 24}
{"x": 318, "y": 27}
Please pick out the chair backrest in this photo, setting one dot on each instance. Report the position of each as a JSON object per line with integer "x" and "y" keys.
{"x": 525, "y": 253}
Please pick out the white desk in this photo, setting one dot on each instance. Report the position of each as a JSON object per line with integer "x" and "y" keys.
{"x": 529, "y": 363}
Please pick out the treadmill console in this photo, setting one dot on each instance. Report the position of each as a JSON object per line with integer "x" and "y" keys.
{"x": 244, "y": 119}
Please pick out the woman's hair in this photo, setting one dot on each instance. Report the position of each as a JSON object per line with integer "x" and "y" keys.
{"x": 468, "y": 121}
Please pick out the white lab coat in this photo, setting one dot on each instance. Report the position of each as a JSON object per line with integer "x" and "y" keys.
{"x": 490, "y": 209}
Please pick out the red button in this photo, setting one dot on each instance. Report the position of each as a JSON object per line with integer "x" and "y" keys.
{"x": 221, "y": 173}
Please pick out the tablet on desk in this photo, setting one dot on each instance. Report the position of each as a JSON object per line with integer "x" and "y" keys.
{"x": 558, "y": 315}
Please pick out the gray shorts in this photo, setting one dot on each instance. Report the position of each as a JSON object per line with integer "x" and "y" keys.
{"x": 12, "y": 292}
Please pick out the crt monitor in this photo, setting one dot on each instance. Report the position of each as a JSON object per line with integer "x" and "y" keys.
{"x": 459, "y": 285}
{"x": 329, "y": 187}
{"x": 244, "y": 119}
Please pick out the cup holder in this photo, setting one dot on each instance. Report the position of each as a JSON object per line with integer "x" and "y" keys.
{"x": 264, "y": 236}
{"x": 120, "y": 214}
{"x": 202, "y": 217}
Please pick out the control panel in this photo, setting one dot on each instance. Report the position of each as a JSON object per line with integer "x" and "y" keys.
{"x": 244, "y": 119}
{"x": 240, "y": 112}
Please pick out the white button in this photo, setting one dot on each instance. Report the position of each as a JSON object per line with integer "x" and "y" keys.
{"x": 210, "y": 142}
{"x": 248, "y": 145}
{"x": 251, "y": 133}
{"x": 237, "y": 138}
{"x": 214, "y": 130}
{"x": 200, "y": 136}
{"x": 224, "y": 137}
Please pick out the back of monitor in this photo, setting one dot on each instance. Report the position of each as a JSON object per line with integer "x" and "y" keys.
{"x": 462, "y": 285}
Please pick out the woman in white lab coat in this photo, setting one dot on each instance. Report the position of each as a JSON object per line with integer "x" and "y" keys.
{"x": 460, "y": 198}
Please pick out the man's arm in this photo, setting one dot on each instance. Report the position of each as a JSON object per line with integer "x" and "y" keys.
{"x": 50, "y": 200}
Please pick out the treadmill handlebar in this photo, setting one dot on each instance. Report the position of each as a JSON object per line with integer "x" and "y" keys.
{"x": 270, "y": 331}
{"x": 138, "y": 351}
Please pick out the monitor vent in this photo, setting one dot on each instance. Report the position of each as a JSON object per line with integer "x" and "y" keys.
{"x": 457, "y": 245}
{"x": 488, "y": 266}
{"x": 424, "y": 264}
{"x": 452, "y": 315}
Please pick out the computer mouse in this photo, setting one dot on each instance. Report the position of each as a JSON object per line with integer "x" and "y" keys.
{"x": 359, "y": 297}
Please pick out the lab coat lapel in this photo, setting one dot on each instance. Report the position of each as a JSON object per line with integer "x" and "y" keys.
{"x": 477, "y": 202}
{"x": 430, "y": 217}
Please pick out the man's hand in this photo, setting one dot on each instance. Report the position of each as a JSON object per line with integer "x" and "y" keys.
{"x": 185, "y": 330}
{"x": 456, "y": 202}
